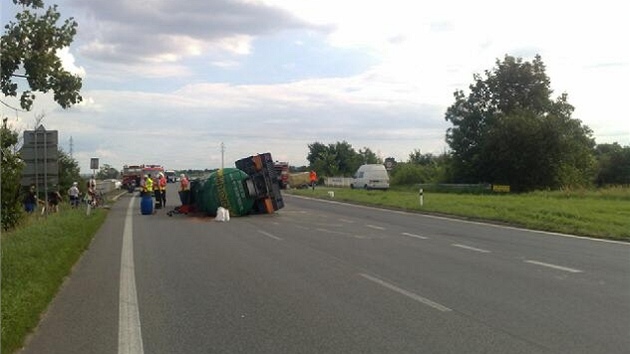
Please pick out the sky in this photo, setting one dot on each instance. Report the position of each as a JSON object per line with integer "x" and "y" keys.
{"x": 171, "y": 82}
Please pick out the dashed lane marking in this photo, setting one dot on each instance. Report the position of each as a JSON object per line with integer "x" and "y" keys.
{"x": 406, "y": 293}
{"x": 549, "y": 265}
{"x": 470, "y": 248}
{"x": 414, "y": 236}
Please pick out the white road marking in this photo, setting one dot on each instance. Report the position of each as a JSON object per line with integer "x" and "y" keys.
{"x": 375, "y": 227}
{"x": 566, "y": 269}
{"x": 584, "y": 238}
{"x": 415, "y": 236}
{"x": 409, "y": 294}
{"x": 270, "y": 235}
{"x": 346, "y": 221}
{"x": 470, "y": 248}
{"x": 129, "y": 331}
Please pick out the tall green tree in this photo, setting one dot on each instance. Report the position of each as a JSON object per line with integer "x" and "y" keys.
{"x": 28, "y": 55}
{"x": 10, "y": 173}
{"x": 508, "y": 130}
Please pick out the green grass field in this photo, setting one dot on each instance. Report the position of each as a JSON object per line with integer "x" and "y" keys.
{"x": 601, "y": 213}
{"x": 36, "y": 257}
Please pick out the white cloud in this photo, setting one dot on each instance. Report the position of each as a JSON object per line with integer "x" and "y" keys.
{"x": 68, "y": 62}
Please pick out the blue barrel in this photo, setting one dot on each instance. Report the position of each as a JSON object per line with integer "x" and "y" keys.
{"x": 146, "y": 205}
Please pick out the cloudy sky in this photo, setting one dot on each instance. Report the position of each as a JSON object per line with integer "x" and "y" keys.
{"x": 168, "y": 81}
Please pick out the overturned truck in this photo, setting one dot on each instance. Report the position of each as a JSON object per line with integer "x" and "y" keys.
{"x": 250, "y": 188}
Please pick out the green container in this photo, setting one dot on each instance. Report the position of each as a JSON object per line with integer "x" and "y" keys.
{"x": 224, "y": 188}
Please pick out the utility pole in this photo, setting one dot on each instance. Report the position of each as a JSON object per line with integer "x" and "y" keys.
{"x": 71, "y": 147}
{"x": 222, "y": 154}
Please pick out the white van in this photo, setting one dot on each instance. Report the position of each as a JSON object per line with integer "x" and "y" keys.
{"x": 372, "y": 176}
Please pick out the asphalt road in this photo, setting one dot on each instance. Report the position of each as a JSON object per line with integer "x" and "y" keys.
{"x": 325, "y": 277}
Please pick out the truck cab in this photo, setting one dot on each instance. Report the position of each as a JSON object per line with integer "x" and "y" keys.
{"x": 171, "y": 176}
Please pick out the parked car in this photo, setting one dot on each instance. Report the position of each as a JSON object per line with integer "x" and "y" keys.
{"x": 371, "y": 176}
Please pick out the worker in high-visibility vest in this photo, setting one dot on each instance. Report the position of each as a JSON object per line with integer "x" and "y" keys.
{"x": 147, "y": 188}
{"x": 313, "y": 178}
{"x": 162, "y": 185}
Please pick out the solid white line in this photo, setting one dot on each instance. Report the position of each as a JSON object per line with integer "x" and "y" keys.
{"x": 270, "y": 235}
{"x": 470, "y": 248}
{"x": 375, "y": 227}
{"x": 566, "y": 269}
{"x": 416, "y": 236}
{"x": 409, "y": 294}
{"x": 129, "y": 331}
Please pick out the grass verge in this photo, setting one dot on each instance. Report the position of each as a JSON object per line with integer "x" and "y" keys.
{"x": 36, "y": 258}
{"x": 599, "y": 213}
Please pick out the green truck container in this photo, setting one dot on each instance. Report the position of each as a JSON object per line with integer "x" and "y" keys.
{"x": 251, "y": 188}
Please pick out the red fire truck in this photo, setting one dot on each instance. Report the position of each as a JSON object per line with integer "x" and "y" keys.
{"x": 132, "y": 175}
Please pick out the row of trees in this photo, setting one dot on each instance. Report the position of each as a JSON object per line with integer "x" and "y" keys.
{"x": 611, "y": 166}
{"x": 507, "y": 130}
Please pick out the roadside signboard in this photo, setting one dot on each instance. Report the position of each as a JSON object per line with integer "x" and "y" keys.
{"x": 41, "y": 158}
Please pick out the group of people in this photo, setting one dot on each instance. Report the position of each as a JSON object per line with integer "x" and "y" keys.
{"x": 157, "y": 187}
{"x": 54, "y": 198}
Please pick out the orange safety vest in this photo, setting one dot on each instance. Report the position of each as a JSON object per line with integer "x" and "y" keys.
{"x": 183, "y": 183}
{"x": 163, "y": 183}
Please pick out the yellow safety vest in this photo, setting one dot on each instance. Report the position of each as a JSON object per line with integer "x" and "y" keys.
{"x": 148, "y": 185}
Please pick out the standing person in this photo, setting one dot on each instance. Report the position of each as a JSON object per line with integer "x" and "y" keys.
{"x": 30, "y": 200}
{"x": 313, "y": 178}
{"x": 91, "y": 191}
{"x": 162, "y": 185}
{"x": 147, "y": 187}
{"x": 157, "y": 193}
{"x": 183, "y": 183}
{"x": 73, "y": 194}
{"x": 54, "y": 198}
{"x": 184, "y": 189}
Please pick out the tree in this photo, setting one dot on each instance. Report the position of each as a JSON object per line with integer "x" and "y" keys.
{"x": 417, "y": 157}
{"x": 29, "y": 46}
{"x": 613, "y": 164}
{"x": 107, "y": 172}
{"x": 10, "y": 173}
{"x": 69, "y": 171}
{"x": 508, "y": 130}
{"x": 339, "y": 159}
{"x": 368, "y": 157}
